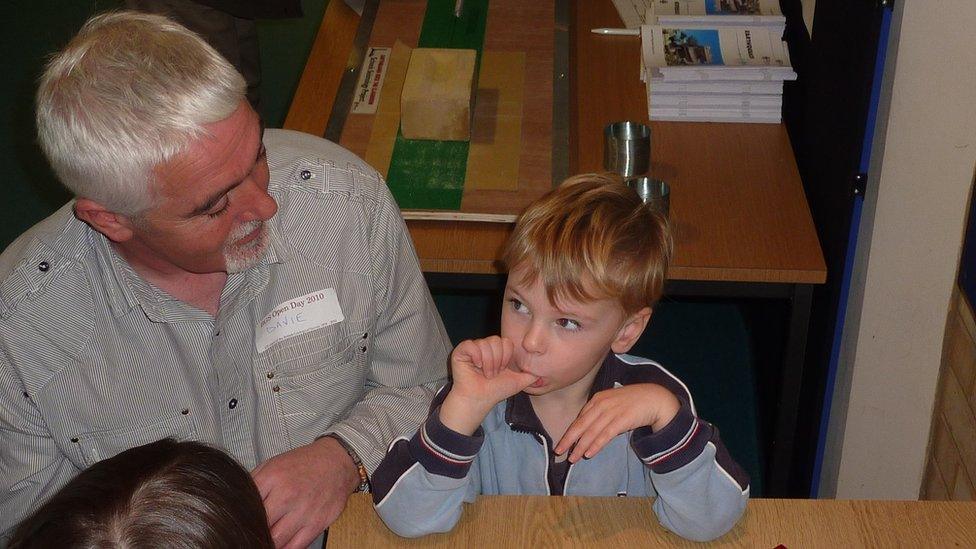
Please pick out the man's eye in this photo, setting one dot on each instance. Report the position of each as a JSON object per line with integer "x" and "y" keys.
{"x": 220, "y": 210}
{"x": 569, "y": 324}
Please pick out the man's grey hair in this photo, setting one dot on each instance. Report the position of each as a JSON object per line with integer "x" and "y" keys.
{"x": 128, "y": 93}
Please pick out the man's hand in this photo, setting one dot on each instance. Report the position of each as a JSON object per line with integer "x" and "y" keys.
{"x": 304, "y": 490}
{"x": 483, "y": 376}
{"x": 616, "y": 411}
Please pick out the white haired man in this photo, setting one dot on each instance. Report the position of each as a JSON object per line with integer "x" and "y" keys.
{"x": 205, "y": 283}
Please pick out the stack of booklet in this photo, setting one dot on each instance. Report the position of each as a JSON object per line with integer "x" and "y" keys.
{"x": 714, "y": 60}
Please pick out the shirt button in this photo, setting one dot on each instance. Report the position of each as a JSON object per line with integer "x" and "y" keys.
{"x": 306, "y": 175}
{"x": 232, "y": 404}
{"x": 43, "y": 266}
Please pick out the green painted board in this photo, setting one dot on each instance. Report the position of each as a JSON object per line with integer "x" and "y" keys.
{"x": 426, "y": 174}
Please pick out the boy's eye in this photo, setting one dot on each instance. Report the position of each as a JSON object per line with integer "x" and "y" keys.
{"x": 569, "y": 324}
{"x": 518, "y": 305}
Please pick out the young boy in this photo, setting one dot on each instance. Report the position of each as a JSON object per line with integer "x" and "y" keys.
{"x": 553, "y": 406}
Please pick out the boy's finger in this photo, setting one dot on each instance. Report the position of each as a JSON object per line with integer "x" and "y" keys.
{"x": 497, "y": 356}
{"x": 573, "y": 433}
{"x": 487, "y": 359}
{"x": 515, "y": 381}
{"x": 599, "y": 443}
{"x": 465, "y": 353}
{"x": 593, "y": 432}
{"x": 475, "y": 356}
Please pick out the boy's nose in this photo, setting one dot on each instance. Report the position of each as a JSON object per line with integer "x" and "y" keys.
{"x": 534, "y": 340}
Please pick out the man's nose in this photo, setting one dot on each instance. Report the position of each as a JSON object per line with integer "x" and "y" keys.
{"x": 259, "y": 204}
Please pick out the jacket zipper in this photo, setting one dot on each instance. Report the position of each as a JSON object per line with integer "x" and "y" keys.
{"x": 545, "y": 458}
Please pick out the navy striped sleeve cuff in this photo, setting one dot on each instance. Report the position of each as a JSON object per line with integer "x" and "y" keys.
{"x": 676, "y": 445}
{"x": 442, "y": 451}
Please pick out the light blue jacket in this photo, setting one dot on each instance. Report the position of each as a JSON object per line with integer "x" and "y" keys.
{"x": 700, "y": 491}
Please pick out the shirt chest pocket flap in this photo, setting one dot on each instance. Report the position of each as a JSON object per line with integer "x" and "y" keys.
{"x": 96, "y": 446}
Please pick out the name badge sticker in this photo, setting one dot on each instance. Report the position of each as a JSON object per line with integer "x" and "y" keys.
{"x": 298, "y": 316}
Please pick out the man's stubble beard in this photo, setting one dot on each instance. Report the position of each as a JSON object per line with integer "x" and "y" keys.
{"x": 240, "y": 258}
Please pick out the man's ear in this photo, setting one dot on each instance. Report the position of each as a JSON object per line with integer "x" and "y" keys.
{"x": 116, "y": 227}
{"x": 631, "y": 331}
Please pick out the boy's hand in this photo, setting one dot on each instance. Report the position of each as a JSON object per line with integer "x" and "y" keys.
{"x": 483, "y": 376}
{"x": 616, "y": 411}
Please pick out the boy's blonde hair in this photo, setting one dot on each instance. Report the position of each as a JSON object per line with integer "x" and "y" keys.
{"x": 593, "y": 238}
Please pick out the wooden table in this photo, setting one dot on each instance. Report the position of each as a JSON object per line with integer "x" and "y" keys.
{"x": 742, "y": 224}
{"x": 541, "y": 521}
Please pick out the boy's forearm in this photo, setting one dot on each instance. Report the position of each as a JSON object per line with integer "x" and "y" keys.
{"x": 667, "y": 407}
{"x": 462, "y": 415}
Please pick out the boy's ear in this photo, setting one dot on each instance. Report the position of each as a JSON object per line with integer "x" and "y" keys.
{"x": 116, "y": 227}
{"x": 631, "y": 331}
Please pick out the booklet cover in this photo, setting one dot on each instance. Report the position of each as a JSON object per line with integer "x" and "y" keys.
{"x": 708, "y": 10}
{"x": 714, "y": 13}
{"x": 724, "y": 53}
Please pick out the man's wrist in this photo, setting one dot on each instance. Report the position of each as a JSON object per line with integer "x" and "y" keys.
{"x": 361, "y": 475}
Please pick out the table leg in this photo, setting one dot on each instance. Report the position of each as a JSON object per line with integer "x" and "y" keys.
{"x": 789, "y": 392}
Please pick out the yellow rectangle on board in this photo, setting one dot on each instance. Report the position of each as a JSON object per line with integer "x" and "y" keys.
{"x": 386, "y": 121}
{"x": 496, "y": 131}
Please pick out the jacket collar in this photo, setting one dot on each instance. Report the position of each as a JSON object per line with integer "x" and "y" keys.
{"x": 521, "y": 416}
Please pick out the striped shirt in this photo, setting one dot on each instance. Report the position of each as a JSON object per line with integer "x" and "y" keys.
{"x": 95, "y": 360}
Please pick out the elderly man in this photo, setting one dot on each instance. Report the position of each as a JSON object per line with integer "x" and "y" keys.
{"x": 205, "y": 283}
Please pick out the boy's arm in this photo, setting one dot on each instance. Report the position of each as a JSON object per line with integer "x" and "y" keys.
{"x": 701, "y": 490}
{"x": 420, "y": 484}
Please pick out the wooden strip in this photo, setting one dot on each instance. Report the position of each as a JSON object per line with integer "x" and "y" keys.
{"x": 496, "y": 131}
{"x": 445, "y": 215}
{"x": 317, "y": 88}
{"x": 386, "y": 122}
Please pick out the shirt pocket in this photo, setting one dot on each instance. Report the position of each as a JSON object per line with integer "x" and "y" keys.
{"x": 98, "y": 445}
{"x": 318, "y": 385}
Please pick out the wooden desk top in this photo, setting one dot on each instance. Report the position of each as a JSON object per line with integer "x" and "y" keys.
{"x": 737, "y": 203}
{"x": 542, "y": 521}
{"x": 736, "y": 196}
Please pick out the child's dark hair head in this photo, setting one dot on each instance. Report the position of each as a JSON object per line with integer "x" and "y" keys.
{"x": 164, "y": 494}
{"x": 593, "y": 238}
